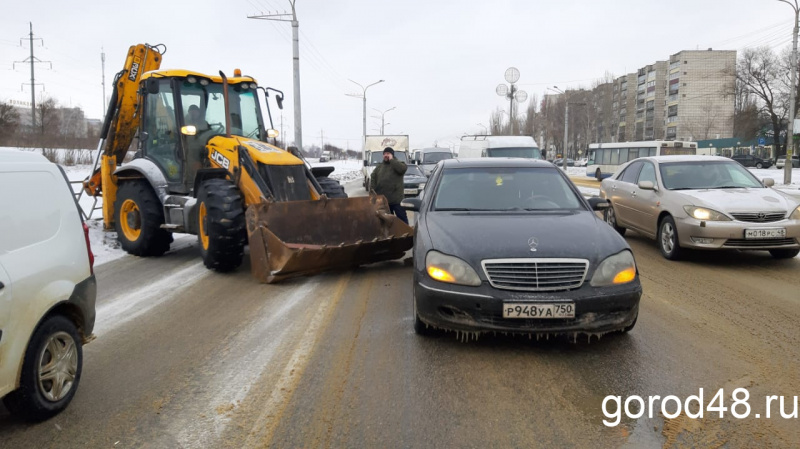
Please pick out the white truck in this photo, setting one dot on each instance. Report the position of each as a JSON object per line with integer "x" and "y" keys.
{"x": 499, "y": 146}
{"x": 373, "y": 149}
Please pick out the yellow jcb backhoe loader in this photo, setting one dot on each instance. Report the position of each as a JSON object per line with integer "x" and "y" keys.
{"x": 202, "y": 165}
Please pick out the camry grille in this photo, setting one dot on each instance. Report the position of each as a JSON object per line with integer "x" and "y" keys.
{"x": 759, "y": 243}
{"x": 759, "y": 217}
{"x": 536, "y": 274}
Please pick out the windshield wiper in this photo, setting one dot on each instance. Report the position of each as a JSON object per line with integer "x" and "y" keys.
{"x": 731, "y": 187}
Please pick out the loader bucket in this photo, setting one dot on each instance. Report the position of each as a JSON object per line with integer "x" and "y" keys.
{"x": 296, "y": 238}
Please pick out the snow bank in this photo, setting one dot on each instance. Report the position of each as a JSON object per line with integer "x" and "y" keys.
{"x": 345, "y": 170}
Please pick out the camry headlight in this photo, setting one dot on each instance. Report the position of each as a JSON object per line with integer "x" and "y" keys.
{"x": 453, "y": 270}
{"x": 701, "y": 213}
{"x": 796, "y": 214}
{"x": 615, "y": 270}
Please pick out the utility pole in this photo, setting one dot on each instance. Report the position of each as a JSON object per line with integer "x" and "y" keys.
{"x": 321, "y": 142}
{"x": 32, "y": 60}
{"x": 285, "y": 17}
{"x": 787, "y": 167}
{"x": 103, "y": 61}
{"x": 363, "y": 96}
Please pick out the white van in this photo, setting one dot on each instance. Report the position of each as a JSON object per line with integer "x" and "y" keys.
{"x": 47, "y": 286}
{"x": 427, "y": 158}
{"x": 499, "y": 146}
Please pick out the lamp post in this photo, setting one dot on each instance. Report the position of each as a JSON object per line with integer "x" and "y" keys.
{"x": 512, "y": 94}
{"x": 364, "y": 123}
{"x": 787, "y": 167}
{"x": 383, "y": 113}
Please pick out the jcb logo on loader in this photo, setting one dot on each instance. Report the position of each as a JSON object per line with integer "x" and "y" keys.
{"x": 223, "y": 161}
{"x": 134, "y": 68}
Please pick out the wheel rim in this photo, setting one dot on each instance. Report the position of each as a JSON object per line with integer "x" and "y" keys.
{"x": 58, "y": 366}
{"x": 202, "y": 216}
{"x": 610, "y": 218}
{"x": 667, "y": 237}
{"x": 131, "y": 220}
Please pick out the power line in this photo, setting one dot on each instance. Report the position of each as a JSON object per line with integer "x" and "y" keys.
{"x": 33, "y": 60}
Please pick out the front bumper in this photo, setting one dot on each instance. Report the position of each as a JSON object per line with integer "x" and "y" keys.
{"x": 470, "y": 309}
{"x": 731, "y": 234}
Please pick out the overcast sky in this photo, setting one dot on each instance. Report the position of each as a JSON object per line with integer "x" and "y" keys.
{"x": 441, "y": 59}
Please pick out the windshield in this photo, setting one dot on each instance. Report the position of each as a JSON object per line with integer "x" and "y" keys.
{"x": 376, "y": 157}
{"x": 522, "y": 152}
{"x": 414, "y": 170}
{"x": 204, "y": 107}
{"x": 496, "y": 189}
{"x": 432, "y": 158}
{"x": 707, "y": 175}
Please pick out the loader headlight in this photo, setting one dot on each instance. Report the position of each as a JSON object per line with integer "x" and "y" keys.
{"x": 188, "y": 130}
{"x": 253, "y": 85}
{"x": 272, "y": 133}
{"x": 615, "y": 270}
{"x": 701, "y": 213}
{"x": 204, "y": 82}
{"x": 452, "y": 270}
{"x": 191, "y": 80}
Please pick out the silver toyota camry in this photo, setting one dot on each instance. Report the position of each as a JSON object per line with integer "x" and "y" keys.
{"x": 702, "y": 202}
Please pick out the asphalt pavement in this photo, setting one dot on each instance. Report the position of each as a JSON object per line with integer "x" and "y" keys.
{"x": 189, "y": 358}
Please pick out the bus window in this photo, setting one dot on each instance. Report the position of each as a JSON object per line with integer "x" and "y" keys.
{"x": 633, "y": 154}
{"x": 606, "y": 157}
{"x": 623, "y": 155}
{"x": 615, "y": 156}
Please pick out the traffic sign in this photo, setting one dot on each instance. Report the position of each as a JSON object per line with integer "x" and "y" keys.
{"x": 762, "y": 141}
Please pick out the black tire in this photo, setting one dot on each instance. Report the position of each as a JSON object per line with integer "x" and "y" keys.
{"x": 784, "y": 253}
{"x": 758, "y": 165}
{"x": 147, "y": 218}
{"x": 668, "y": 241}
{"x": 598, "y": 174}
{"x": 222, "y": 233}
{"x": 611, "y": 218}
{"x": 331, "y": 188}
{"x": 30, "y": 401}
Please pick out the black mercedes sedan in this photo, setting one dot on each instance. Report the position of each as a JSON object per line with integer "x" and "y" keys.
{"x": 510, "y": 245}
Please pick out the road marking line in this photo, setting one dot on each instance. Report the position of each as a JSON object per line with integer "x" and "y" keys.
{"x": 284, "y": 388}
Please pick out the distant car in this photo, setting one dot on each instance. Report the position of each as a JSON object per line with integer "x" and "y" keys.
{"x": 427, "y": 158}
{"x": 560, "y": 163}
{"x": 701, "y": 202}
{"x": 413, "y": 181}
{"x": 47, "y": 287}
{"x": 511, "y": 245}
{"x": 325, "y": 157}
{"x": 781, "y": 162}
{"x": 582, "y": 162}
{"x": 748, "y": 160}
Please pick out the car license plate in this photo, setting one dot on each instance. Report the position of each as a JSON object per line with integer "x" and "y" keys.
{"x": 410, "y": 191}
{"x": 545, "y": 311}
{"x": 766, "y": 233}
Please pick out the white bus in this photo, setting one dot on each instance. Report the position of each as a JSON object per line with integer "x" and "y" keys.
{"x": 605, "y": 158}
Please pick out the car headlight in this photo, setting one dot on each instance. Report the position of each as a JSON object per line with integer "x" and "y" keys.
{"x": 452, "y": 270}
{"x": 421, "y": 185}
{"x": 796, "y": 214}
{"x": 702, "y": 213}
{"x": 615, "y": 270}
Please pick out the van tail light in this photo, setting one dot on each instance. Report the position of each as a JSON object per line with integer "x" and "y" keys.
{"x": 88, "y": 247}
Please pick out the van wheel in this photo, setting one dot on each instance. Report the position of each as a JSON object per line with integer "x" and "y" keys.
{"x": 51, "y": 371}
{"x": 138, "y": 217}
{"x": 221, "y": 228}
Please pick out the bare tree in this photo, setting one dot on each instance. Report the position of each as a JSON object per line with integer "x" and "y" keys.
{"x": 47, "y": 117}
{"x": 760, "y": 72}
{"x": 9, "y": 119}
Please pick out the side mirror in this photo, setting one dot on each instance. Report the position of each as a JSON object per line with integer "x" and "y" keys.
{"x": 151, "y": 85}
{"x": 366, "y": 163}
{"x": 598, "y": 203}
{"x": 647, "y": 185}
{"x": 411, "y": 204}
{"x": 769, "y": 182}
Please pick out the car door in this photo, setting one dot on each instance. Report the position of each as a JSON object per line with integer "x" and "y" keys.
{"x": 644, "y": 204}
{"x": 619, "y": 192}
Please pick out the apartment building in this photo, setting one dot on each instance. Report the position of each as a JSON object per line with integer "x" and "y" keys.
{"x": 687, "y": 97}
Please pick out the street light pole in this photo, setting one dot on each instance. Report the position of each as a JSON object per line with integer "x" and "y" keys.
{"x": 364, "y": 112}
{"x": 787, "y": 167}
{"x": 383, "y": 113}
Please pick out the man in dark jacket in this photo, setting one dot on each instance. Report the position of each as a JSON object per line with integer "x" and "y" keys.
{"x": 387, "y": 180}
